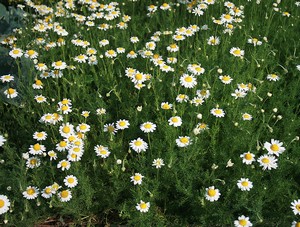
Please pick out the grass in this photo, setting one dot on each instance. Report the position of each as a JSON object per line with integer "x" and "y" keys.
{"x": 204, "y": 151}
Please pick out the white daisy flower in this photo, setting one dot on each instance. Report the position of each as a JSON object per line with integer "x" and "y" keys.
{"x": 275, "y": 147}
{"x": 242, "y": 222}
{"x": 71, "y": 181}
{"x": 175, "y": 121}
{"x": 143, "y": 206}
{"x": 31, "y": 192}
{"x": 137, "y": 178}
{"x": 244, "y": 184}
{"x": 138, "y": 145}
{"x": 183, "y": 141}
{"x": 267, "y": 162}
{"x": 4, "y": 204}
{"x": 248, "y": 158}
{"x": 65, "y": 195}
{"x": 148, "y": 127}
{"x": 212, "y": 194}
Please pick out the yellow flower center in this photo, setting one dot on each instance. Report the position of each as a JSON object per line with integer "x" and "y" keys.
{"x": 138, "y": 143}
{"x": 2, "y": 203}
{"x": 184, "y": 140}
{"x": 165, "y": 5}
{"x": 48, "y": 191}
{"x": 137, "y": 178}
{"x": 226, "y": 78}
{"x": 248, "y": 156}
{"x": 64, "y": 164}
{"x": 265, "y": 160}
{"x": 64, "y": 108}
{"x": 138, "y": 76}
{"x": 202, "y": 126}
{"x": 48, "y": 117}
{"x": 37, "y": 147}
{"x": 227, "y": 17}
{"x": 243, "y": 222}
{"x": 174, "y": 119}
{"x": 33, "y": 162}
{"x": 103, "y": 152}
{"x": 71, "y": 180}
{"x": 188, "y": 79}
{"x": 211, "y": 192}
{"x": 298, "y": 224}
{"x": 30, "y": 191}
{"x": 298, "y": 207}
{"x": 64, "y": 194}
{"x": 274, "y": 147}
{"x": 40, "y": 135}
{"x": 58, "y": 63}
{"x": 166, "y": 106}
{"x": 110, "y": 129}
{"x": 245, "y": 183}
{"x": 16, "y": 51}
{"x": 111, "y": 52}
{"x": 237, "y": 52}
{"x": 148, "y": 126}
{"x": 132, "y": 52}
{"x": 10, "y": 91}
{"x": 143, "y": 205}
{"x": 38, "y": 82}
{"x": 173, "y": 46}
{"x": 122, "y": 123}
{"x": 41, "y": 65}
{"x": 66, "y": 129}
{"x": 31, "y": 52}
{"x": 218, "y": 112}
{"x": 83, "y": 127}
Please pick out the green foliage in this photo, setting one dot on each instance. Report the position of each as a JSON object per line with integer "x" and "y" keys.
{"x": 212, "y": 146}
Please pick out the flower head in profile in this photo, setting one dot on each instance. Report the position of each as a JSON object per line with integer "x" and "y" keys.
{"x": 183, "y": 141}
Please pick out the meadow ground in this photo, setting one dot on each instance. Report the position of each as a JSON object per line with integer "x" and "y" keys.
{"x": 139, "y": 113}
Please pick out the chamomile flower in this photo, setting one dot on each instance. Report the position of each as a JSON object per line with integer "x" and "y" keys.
{"x": 273, "y": 77}
{"x": 101, "y": 151}
{"x": 294, "y": 223}
{"x": 188, "y": 81}
{"x": 138, "y": 145}
{"x": 6, "y": 78}
{"x": 64, "y": 165}
{"x": 62, "y": 145}
{"x": 4, "y": 204}
{"x": 213, "y": 41}
{"x": 212, "y": 194}
{"x": 16, "y": 53}
{"x": 247, "y": 158}
{"x": 183, "y": 141}
{"x": 41, "y": 66}
{"x": 182, "y": 98}
{"x": 59, "y": 65}
{"x": 226, "y": 18}
{"x": 71, "y": 181}
{"x": 122, "y": 124}
{"x": 38, "y": 84}
{"x": 110, "y": 127}
{"x": 225, "y": 79}
{"x": 2, "y": 140}
{"x": 217, "y": 112}
{"x": 178, "y": 37}
{"x": 134, "y": 39}
{"x": 165, "y": 6}
{"x": 238, "y": 93}
{"x": 82, "y": 58}
{"x": 31, "y": 192}
{"x": 131, "y": 54}
{"x": 143, "y": 207}
{"x": 37, "y": 149}
{"x": 65, "y": 195}
{"x": 295, "y": 205}
{"x": 47, "y": 192}
{"x": 158, "y": 163}
{"x": 11, "y": 93}
{"x": 111, "y": 54}
{"x": 166, "y": 106}
{"x": 244, "y": 184}
{"x": 267, "y": 162}
{"x": 237, "y": 52}
{"x": 254, "y": 41}
{"x": 274, "y": 148}
{"x": 33, "y": 162}
{"x": 52, "y": 155}
{"x": 39, "y": 136}
{"x": 66, "y": 129}
{"x": 150, "y": 45}
{"x": 148, "y": 127}
{"x": 137, "y": 178}
{"x": 173, "y": 47}
{"x": 40, "y": 98}
{"x": 83, "y": 127}
{"x": 31, "y": 54}
{"x": 247, "y": 117}
{"x": 175, "y": 121}
{"x": 242, "y": 221}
